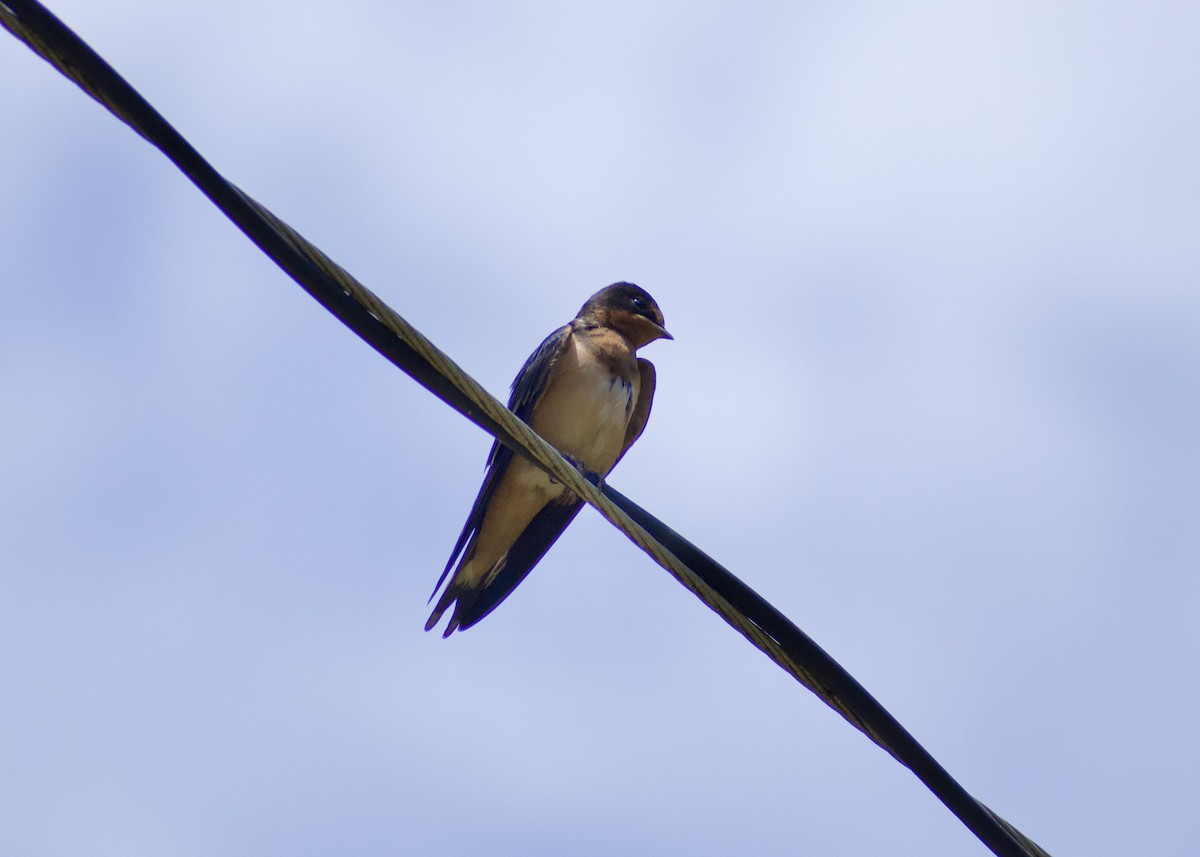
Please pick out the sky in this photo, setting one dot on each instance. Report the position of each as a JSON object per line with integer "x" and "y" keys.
{"x": 933, "y": 275}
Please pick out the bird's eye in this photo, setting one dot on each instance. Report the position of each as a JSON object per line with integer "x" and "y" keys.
{"x": 639, "y": 303}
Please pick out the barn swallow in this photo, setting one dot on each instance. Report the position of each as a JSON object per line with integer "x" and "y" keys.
{"x": 588, "y": 394}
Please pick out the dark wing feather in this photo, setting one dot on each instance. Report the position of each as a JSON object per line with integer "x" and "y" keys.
{"x": 641, "y": 410}
{"x": 529, "y": 548}
{"x": 527, "y": 388}
{"x": 530, "y": 382}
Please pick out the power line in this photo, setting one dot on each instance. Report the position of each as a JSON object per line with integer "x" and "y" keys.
{"x": 393, "y": 337}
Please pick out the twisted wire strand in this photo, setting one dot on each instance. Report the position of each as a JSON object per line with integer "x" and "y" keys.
{"x": 384, "y": 329}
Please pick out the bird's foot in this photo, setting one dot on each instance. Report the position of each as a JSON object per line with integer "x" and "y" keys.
{"x": 592, "y": 476}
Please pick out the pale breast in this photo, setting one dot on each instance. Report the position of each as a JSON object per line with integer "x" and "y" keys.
{"x": 587, "y": 408}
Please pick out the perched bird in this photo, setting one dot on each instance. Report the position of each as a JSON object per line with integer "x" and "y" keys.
{"x": 585, "y": 391}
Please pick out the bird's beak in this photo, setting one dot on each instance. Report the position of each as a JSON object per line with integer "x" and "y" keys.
{"x": 662, "y": 332}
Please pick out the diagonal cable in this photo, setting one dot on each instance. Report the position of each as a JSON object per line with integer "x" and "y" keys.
{"x": 377, "y": 324}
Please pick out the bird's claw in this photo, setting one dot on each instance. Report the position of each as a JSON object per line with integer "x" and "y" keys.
{"x": 592, "y": 476}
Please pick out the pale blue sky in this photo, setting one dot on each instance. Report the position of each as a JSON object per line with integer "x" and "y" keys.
{"x": 934, "y": 277}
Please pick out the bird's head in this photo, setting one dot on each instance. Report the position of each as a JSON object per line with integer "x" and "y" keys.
{"x": 627, "y": 309}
